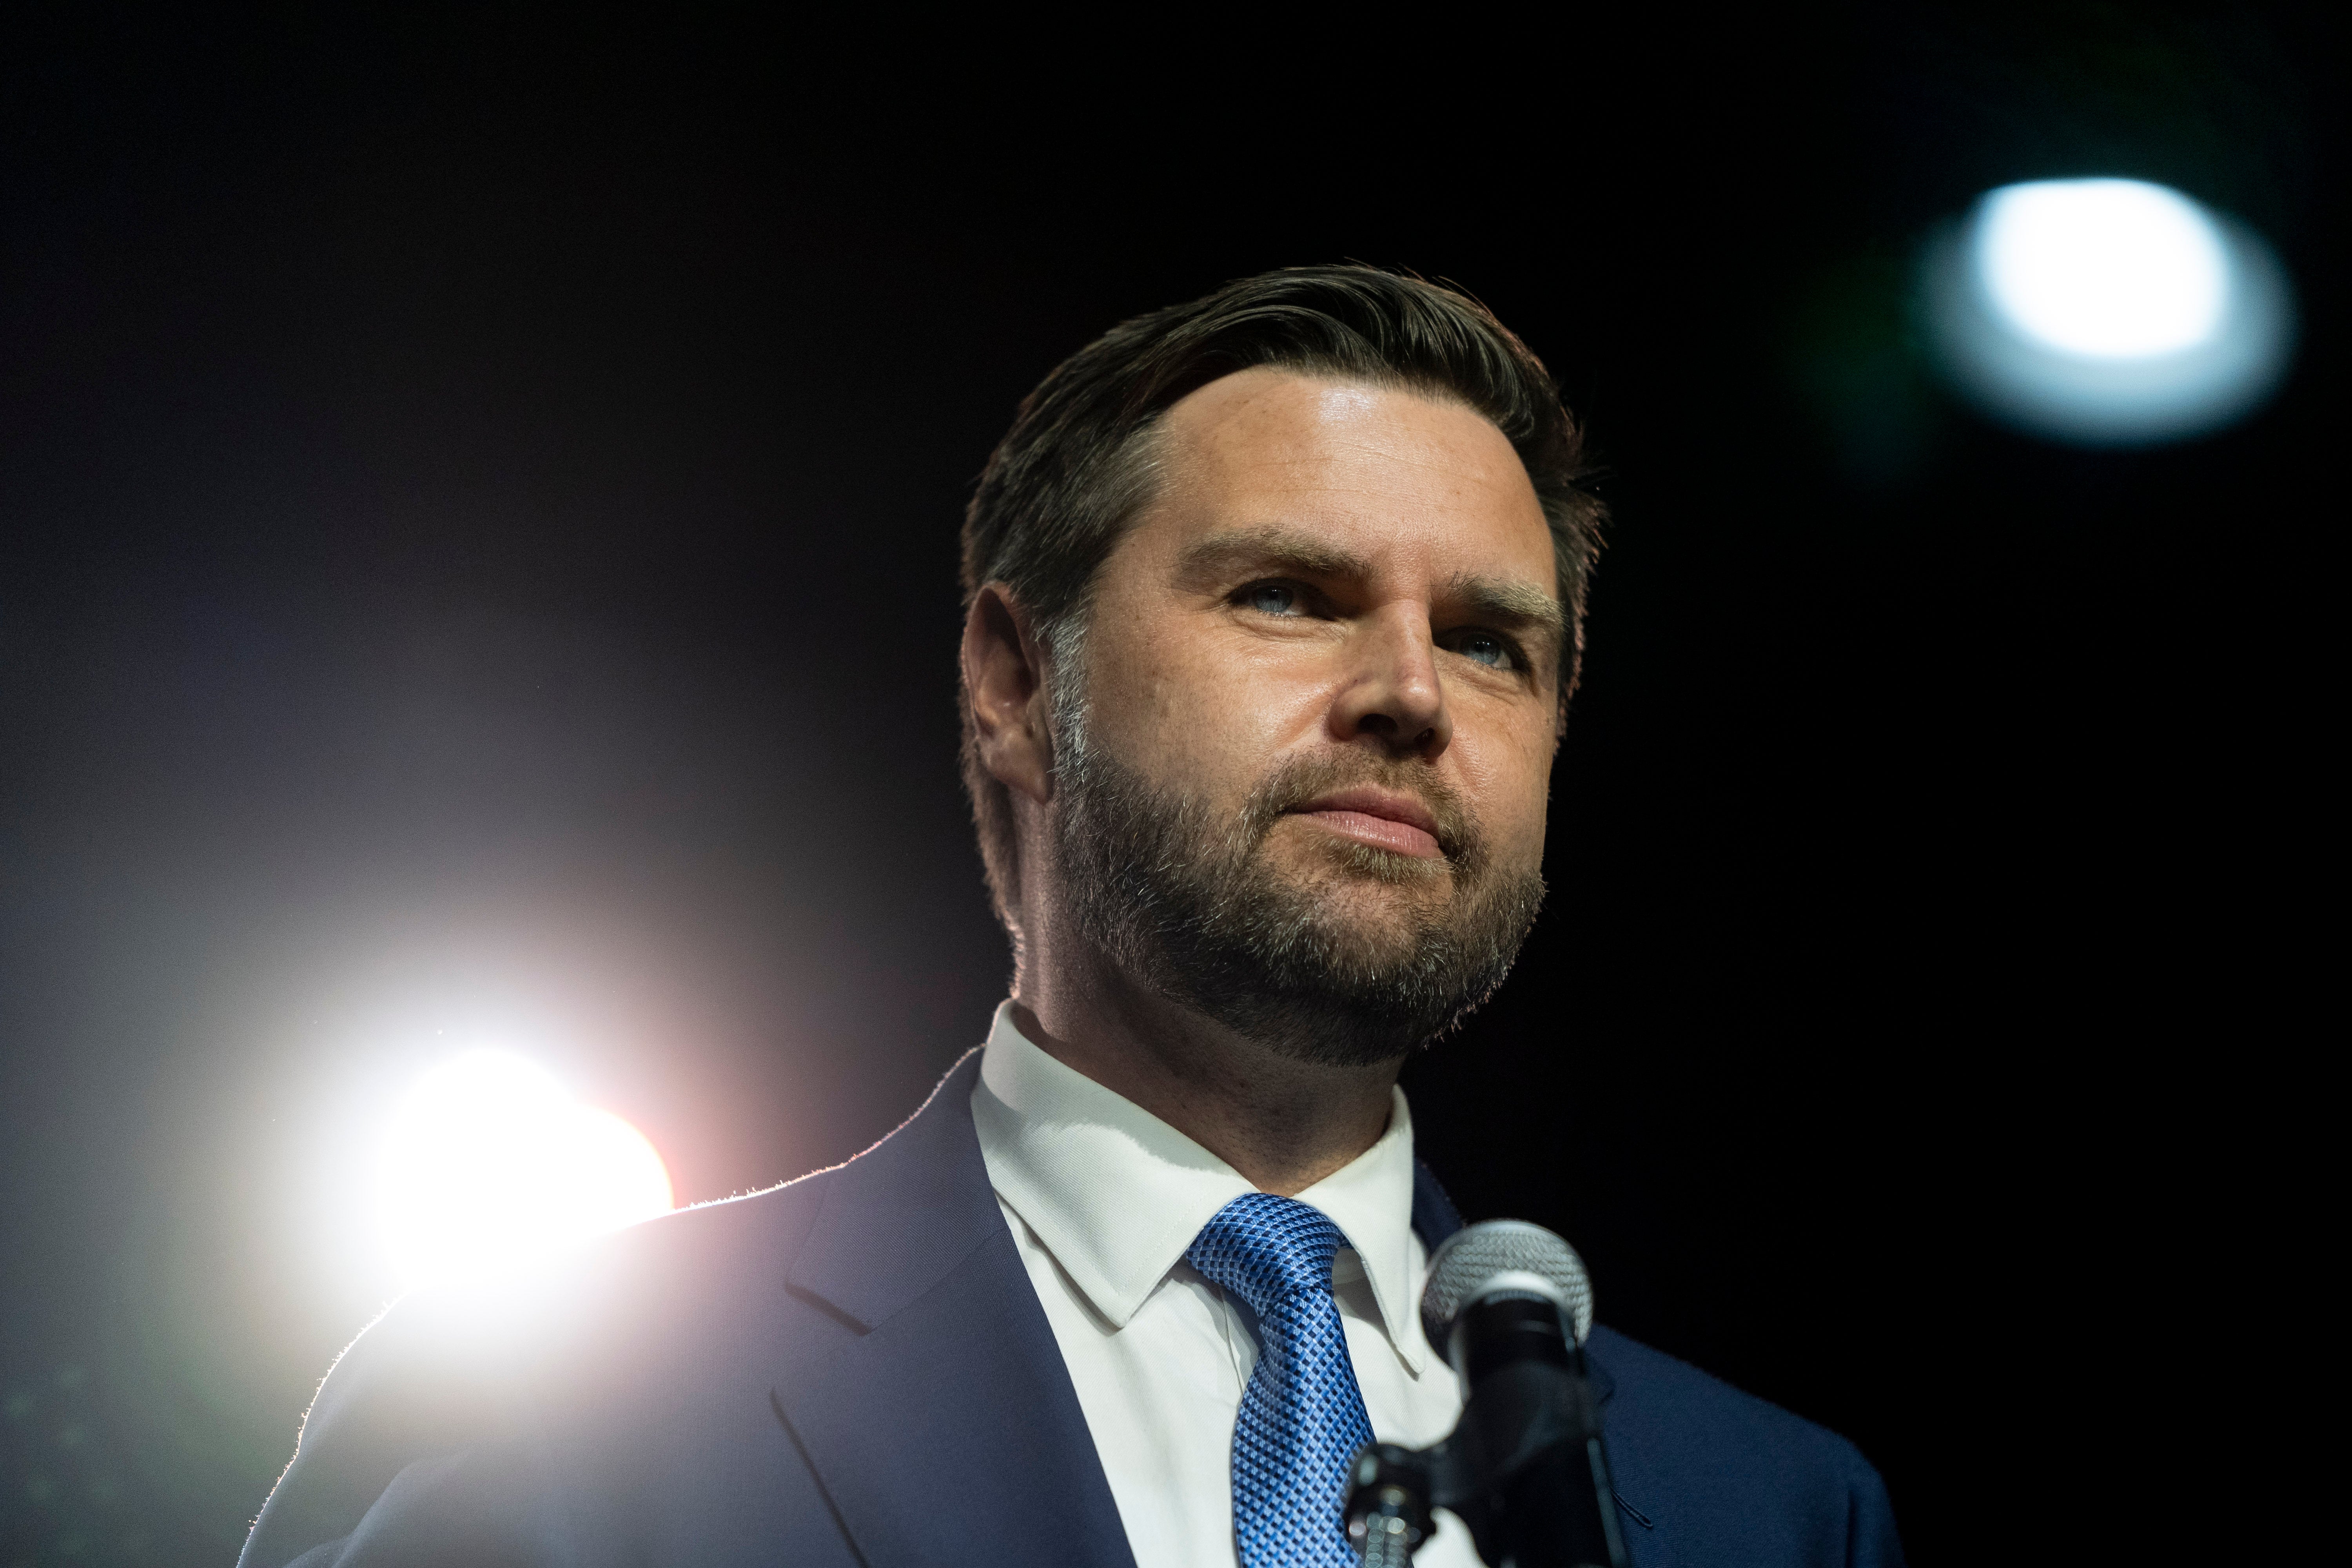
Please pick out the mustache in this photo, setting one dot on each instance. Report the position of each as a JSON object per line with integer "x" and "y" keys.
{"x": 1301, "y": 779}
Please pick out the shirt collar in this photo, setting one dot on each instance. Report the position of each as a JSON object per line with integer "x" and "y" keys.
{"x": 1117, "y": 1194}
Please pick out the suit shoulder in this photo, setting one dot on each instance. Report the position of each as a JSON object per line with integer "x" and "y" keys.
{"x": 682, "y": 1263}
{"x": 469, "y": 1367}
{"x": 474, "y": 1341}
{"x": 1652, "y": 1384}
{"x": 1718, "y": 1465}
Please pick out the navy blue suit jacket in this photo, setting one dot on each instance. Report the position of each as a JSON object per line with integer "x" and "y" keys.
{"x": 854, "y": 1369}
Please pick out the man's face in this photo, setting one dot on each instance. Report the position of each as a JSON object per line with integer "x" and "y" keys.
{"x": 1304, "y": 789}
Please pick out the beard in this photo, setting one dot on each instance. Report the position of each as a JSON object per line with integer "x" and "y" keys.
{"x": 1325, "y": 967}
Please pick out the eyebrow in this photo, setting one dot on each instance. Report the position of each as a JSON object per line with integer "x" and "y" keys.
{"x": 1267, "y": 549}
{"x": 1508, "y": 604}
{"x": 1517, "y": 605}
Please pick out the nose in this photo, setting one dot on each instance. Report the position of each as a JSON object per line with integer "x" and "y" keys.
{"x": 1390, "y": 690}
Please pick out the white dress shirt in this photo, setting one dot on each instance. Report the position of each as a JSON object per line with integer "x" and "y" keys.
{"x": 1103, "y": 1197}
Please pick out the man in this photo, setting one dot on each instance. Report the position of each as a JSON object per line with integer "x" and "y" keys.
{"x": 1273, "y": 613}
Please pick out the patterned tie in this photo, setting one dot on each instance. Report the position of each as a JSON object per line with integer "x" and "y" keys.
{"x": 1302, "y": 1417}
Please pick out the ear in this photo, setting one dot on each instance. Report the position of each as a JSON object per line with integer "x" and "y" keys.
{"x": 1004, "y": 680}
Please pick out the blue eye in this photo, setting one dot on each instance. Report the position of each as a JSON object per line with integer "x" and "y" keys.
{"x": 1273, "y": 599}
{"x": 1485, "y": 648}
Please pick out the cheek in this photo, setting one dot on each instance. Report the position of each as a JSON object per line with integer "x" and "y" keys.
{"x": 1508, "y": 779}
{"x": 1197, "y": 707}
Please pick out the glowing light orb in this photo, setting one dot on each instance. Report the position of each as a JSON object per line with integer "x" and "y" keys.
{"x": 2107, "y": 312}
{"x": 488, "y": 1160}
{"x": 2110, "y": 268}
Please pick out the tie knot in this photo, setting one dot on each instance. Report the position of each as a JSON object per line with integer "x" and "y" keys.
{"x": 1264, "y": 1248}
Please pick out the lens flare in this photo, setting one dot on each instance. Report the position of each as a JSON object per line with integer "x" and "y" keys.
{"x": 2108, "y": 268}
{"x": 488, "y": 1160}
{"x": 2107, "y": 312}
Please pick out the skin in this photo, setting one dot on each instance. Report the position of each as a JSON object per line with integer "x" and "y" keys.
{"x": 1327, "y": 567}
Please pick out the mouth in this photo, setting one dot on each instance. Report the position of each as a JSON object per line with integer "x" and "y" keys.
{"x": 1384, "y": 819}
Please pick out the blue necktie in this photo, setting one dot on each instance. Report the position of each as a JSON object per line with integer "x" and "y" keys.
{"x": 1302, "y": 1417}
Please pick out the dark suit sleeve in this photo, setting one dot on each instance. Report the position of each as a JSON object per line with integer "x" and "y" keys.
{"x": 421, "y": 1447}
{"x": 1870, "y": 1538}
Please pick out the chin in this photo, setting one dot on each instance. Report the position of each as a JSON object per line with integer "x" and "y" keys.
{"x": 1374, "y": 920}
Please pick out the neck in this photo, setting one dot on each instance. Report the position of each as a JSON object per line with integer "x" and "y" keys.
{"x": 1284, "y": 1124}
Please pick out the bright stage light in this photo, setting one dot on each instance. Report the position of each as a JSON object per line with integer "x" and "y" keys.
{"x": 488, "y": 1160}
{"x": 2109, "y": 269}
{"x": 2107, "y": 312}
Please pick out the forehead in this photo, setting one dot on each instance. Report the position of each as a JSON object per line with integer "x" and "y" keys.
{"x": 1411, "y": 482}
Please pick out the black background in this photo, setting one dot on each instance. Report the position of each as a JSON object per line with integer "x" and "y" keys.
{"x": 479, "y": 501}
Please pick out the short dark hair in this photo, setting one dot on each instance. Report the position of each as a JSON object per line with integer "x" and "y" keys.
{"x": 1074, "y": 470}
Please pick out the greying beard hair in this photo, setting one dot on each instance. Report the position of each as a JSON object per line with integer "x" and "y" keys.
{"x": 1183, "y": 899}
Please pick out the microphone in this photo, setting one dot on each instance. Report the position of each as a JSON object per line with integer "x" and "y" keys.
{"x": 1508, "y": 1305}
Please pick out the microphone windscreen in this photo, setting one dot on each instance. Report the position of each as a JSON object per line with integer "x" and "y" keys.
{"x": 1503, "y": 1256}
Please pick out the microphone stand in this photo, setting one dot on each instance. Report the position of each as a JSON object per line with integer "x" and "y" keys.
{"x": 1389, "y": 1498}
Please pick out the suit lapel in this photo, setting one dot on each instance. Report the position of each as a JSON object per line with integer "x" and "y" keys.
{"x": 943, "y": 1424}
